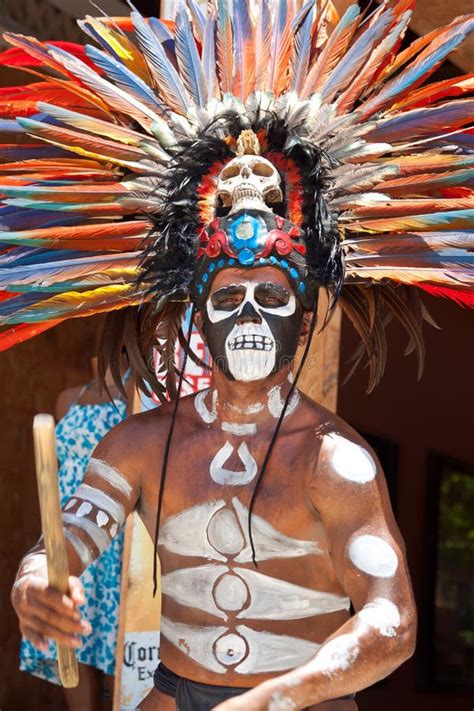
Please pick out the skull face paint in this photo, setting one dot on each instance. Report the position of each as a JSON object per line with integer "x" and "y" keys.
{"x": 252, "y": 328}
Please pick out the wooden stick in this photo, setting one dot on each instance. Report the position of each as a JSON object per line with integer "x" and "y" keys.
{"x": 51, "y": 523}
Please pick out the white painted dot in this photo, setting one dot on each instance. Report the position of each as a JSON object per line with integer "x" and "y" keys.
{"x": 230, "y": 649}
{"x": 351, "y": 461}
{"x": 84, "y": 509}
{"x": 224, "y": 534}
{"x": 113, "y": 529}
{"x": 231, "y": 593}
{"x": 102, "y": 518}
{"x": 70, "y": 504}
{"x": 373, "y": 556}
{"x": 381, "y": 614}
{"x": 337, "y": 655}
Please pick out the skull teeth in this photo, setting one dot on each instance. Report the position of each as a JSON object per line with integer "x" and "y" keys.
{"x": 259, "y": 343}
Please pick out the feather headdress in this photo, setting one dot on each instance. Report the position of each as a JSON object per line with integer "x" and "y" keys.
{"x": 108, "y": 182}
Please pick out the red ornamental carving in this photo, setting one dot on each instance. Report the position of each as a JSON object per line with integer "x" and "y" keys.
{"x": 282, "y": 242}
{"x": 218, "y": 242}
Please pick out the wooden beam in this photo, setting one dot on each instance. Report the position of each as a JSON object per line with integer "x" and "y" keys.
{"x": 319, "y": 379}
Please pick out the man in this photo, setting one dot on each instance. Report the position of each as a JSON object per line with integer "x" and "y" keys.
{"x": 323, "y": 530}
{"x": 272, "y": 513}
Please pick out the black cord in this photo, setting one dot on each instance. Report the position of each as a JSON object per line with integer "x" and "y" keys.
{"x": 166, "y": 453}
{"x": 312, "y": 327}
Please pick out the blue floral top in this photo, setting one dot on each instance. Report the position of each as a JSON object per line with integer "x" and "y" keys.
{"x": 77, "y": 434}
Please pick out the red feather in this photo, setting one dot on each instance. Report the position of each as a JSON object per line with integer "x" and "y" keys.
{"x": 460, "y": 297}
{"x": 23, "y": 332}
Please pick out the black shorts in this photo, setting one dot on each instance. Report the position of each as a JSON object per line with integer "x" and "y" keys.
{"x": 193, "y": 696}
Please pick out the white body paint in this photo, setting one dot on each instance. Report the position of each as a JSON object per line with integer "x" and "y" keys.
{"x": 280, "y": 702}
{"x": 374, "y": 556}
{"x": 217, "y": 649}
{"x": 221, "y": 475}
{"x": 99, "y": 537}
{"x": 111, "y": 475}
{"x": 274, "y": 652}
{"x": 382, "y": 615}
{"x": 276, "y": 402}
{"x": 206, "y": 415}
{"x": 351, "y": 461}
{"x": 193, "y": 532}
{"x": 337, "y": 655}
{"x": 251, "y": 595}
{"x": 84, "y": 554}
{"x": 102, "y": 501}
{"x": 239, "y": 429}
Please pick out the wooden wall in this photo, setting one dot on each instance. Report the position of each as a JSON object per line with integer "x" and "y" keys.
{"x": 31, "y": 377}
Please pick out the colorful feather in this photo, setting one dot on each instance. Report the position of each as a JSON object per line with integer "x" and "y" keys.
{"x": 244, "y": 50}
{"x": 224, "y": 46}
{"x": 263, "y": 38}
{"x": 189, "y": 62}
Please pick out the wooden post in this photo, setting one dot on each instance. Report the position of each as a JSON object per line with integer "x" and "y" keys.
{"x": 320, "y": 376}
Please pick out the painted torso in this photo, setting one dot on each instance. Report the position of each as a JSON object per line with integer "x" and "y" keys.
{"x": 225, "y": 621}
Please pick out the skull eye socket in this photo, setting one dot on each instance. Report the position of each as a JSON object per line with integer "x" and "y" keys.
{"x": 263, "y": 170}
{"x": 232, "y": 171}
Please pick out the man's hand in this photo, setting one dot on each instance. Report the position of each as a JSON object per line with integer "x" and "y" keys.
{"x": 44, "y": 613}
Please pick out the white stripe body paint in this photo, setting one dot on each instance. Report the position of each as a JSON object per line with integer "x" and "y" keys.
{"x": 98, "y": 536}
{"x": 217, "y": 649}
{"x": 276, "y": 402}
{"x": 193, "y": 532}
{"x": 374, "y": 556}
{"x": 382, "y": 615}
{"x": 239, "y": 429}
{"x": 111, "y": 475}
{"x": 85, "y": 555}
{"x": 224, "y": 476}
{"x": 195, "y": 642}
{"x": 185, "y": 532}
{"x": 270, "y": 652}
{"x": 208, "y": 416}
{"x": 280, "y": 702}
{"x": 351, "y": 461}
{"x": 102, "y": 501}
{"x": 337, "y": 655}
{"x": 216, "y": 590}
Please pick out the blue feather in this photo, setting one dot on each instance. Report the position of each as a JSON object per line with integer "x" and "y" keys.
{"x": 165, "y": 38}
{"x": 302, "y": 52}
{"x": 10, "y": 306}
{"x": 20, "y": 153}
{"x": 199, "y": 19}
{"x": 10, "y": 126}
{"x": 418, "y": 69}
{"x": 13, "y": 218}
{"x": 410, "y": 125}
{"x": 167, "y": 78}
{"x": 355, "y": 57}
{"x": 124, "y": 78}
{"x": 188, "y": 60}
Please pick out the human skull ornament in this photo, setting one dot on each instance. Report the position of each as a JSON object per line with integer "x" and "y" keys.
{"x": 249, "y": 182}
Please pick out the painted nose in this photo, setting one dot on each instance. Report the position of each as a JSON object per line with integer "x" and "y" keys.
{"x": 248, "y": 315}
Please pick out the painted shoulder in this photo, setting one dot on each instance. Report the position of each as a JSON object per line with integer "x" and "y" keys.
{"x": 342, "y": 453}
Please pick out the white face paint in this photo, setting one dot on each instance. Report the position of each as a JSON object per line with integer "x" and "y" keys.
{"x": 224, "y": 476}
{"x": 250, "y": 348}
{"x": 351, "y": 461}
{"x": 382, "y": 615}
{"x": 373, "y": 556}
{"x": 337, "y": 655}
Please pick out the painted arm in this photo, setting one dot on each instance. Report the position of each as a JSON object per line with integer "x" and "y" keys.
{"x": 92, "y": 518}
{"x": 367, "y": 551}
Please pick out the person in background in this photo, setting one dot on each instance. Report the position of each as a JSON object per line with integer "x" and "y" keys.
{"x": 84, "y": 416}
